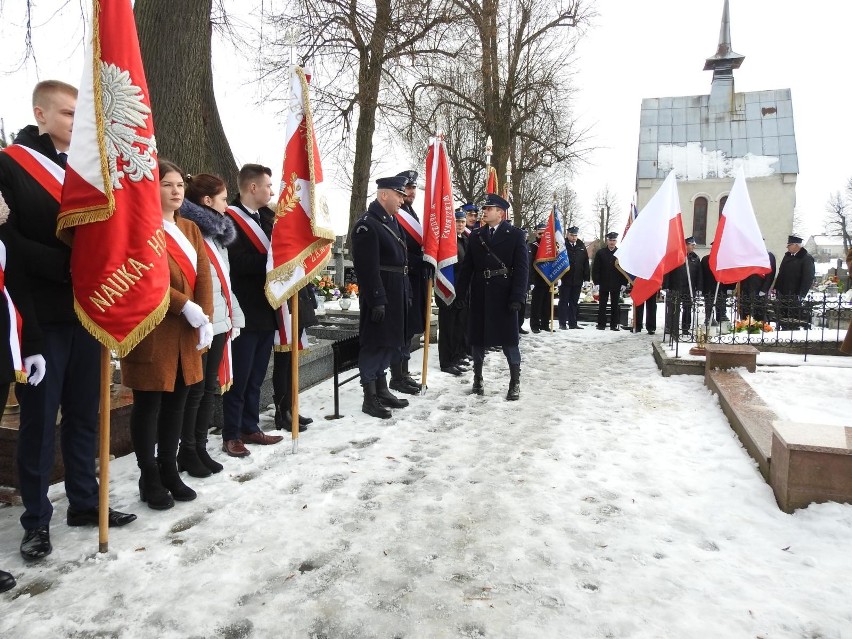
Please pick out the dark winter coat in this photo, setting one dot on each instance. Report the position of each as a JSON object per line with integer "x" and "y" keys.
{"x": 604, "y": 272}
{"x": 490, "y": 321}
{"x": 708, "y": 281}
{"x": 31, "y": 233}
{"x": 248, "y": 274}
{"x": 678, "y": 280}
{"x": 535, "y": 277}
{"x": 753, "y": 285}
{"x": 376, "y": 242}
{"x": 796, "y": 274}
{"x": 417, "y": 276}
{"x": 578, "y": 258}
{"x": 221, "y": 230}
{"x": 461, "y": 249}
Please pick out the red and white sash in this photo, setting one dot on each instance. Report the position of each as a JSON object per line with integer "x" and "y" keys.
{"x": 226, "y": 366}
{"x": 15, "y": 323}
{"x": 250, "y": 228}
{"x": 47, "y": 173}
{"x": 408, "y": 222}
{"x": 284, "y": 330}
{"x": 182, "y": 252}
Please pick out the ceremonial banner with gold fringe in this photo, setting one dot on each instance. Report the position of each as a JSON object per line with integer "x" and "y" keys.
{"x": 491, "y": 180}
{"x": 302, "y": 235}
{"x": 110, "y": 210}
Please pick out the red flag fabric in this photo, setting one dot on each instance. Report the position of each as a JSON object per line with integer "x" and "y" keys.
{"x": 738, "y": 249}
{"x": 110, "y": 208}
{"x": 491, "y": 181}
{"x": 655, "y": 244}
{"x": 302, "y": 235}
{"x": 440, "y": 248}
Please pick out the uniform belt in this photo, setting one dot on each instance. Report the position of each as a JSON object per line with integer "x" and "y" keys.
{"x": 395, "y": 269}
{"x": 494, "y": 272}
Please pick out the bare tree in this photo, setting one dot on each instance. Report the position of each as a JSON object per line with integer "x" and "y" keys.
{"x": 361, "y": 49}
{"x": 189, "y": 130}
{"x": 607, "y": 211}
{"x": 838, "y": 218}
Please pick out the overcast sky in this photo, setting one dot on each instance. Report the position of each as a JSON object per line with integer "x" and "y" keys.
{"x": 635, "y": 49}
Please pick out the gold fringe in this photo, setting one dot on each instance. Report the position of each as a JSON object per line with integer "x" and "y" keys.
{"x": 224, "y": 389}
{"x": 139, "y": 333}
{"x": 21, "y": 377}
{"x": 286, "y": 348}
{"x": 279, "y": 271}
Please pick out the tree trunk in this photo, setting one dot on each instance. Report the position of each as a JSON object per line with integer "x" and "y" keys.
{"x": 369, "y": 86}
{"x": 177, "y": 54}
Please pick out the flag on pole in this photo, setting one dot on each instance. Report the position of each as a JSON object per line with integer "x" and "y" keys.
{"x": 630, "y": 217}
{"x": 551, "y": 259}
{"x": 439, "y": 230}
{"x": 655, "y": 245}
{"x": 491, "y": 180}
{"x": 738, "y": 249}
{"x": 302, "y": 236}
{"x": 110, "y": 208}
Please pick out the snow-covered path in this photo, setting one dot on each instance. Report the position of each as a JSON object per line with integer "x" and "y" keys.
{"x": 607, "y": 502}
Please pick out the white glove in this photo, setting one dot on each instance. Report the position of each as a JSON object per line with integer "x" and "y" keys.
{"x": 235, "y": 332}
{"x": 35, "y": 367}
{"x": 205, "y": 336}
{"x": 194, "y": 314}
{"x": 761, "y": 294}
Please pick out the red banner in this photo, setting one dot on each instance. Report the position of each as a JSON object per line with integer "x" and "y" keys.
{"x": 302, "y": 235}
{"x": 440, "y": 248}
{"x": 110, "y": 211}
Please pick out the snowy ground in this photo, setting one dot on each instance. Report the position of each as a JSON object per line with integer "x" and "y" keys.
{"x": 820, "y": 394}
{"x": 607, "y": 502}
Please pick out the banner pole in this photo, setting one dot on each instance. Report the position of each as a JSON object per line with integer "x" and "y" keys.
{"x": 295, "y": 340}
{"x": 552, "y": 298}
{"x": 103, "y": 456}
{"x": 427, "y": 333}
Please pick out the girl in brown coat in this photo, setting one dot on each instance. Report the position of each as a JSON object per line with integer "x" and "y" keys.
{"x": 162, "y": 367}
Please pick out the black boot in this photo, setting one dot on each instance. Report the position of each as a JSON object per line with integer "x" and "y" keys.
{"x": 172, "y": 482}
{"x": 514, "y": 383}
{"x": 7, "y": 581}
{"x": 201, "y": 449}
{"x": 188, "y": 460}
{"x": 478, "y": 388}
{"x": 151, "y": 489}
{"x": 385, "y": 397}
{"x": 401, "y": 381}
{"x": 371, "y": 404}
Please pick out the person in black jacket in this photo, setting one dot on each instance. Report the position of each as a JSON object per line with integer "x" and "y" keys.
{"x": 609, "y": 279}
{"x": 251, "y": 350}
{"x": 496, "y": 273}
{"x": 419, "y": 272}
{"x": 452, "y": 318}
{"x": 72, "y": 355}
{"x": 572, "y": 282}
{"x": 795, "y": 276}
{"x": 680, "y": 295}
{"x": 754, "y": 290}
{"x": 713, "y": 313}
{"x": 540, "y": 303}
{"x": 380, "y": 258}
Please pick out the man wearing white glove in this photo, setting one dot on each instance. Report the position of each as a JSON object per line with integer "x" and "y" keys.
{"x": 35, "y": 367}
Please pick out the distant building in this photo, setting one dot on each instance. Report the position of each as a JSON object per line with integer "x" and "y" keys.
{"x": 705, "y": 138}
{"x": 825, "y": 248}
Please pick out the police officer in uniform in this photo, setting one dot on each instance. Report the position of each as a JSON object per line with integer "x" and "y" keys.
{"x": 380, "y": 258}
{"x": 418, "y": 273}
{"x": 496, "y": 271}
{"x": 452, "y": 318}
{"x": 572, "y": 281}
{"x": 609, "y": 280}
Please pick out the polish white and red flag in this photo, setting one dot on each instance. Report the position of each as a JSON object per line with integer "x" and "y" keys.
{"x": 440, "y": 248}
{"x": 110, "y": 205}
{"x": 738, "y": 249}
{"x": 302, "y": 235}
{"x": 655, "y": 244}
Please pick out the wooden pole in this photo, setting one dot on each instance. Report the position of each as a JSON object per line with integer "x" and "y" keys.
{"x": 552, "y": 295}
{"x": 103, "y": 490}
{"x": 428, "y": 331}
{"x": 294, "y": 370}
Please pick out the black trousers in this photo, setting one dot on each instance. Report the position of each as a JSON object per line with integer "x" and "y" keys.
{"x": 649, "y": 306}
{"x": 282, "y": 380}
{"x": 606, "y": 296}
{"x": 373, "y": 361}
{"x": 569, "y": 304}
{"x": 451, "y": 329}
{"x": 540, "y": 307}
{"x": 241, "y": 404}
{"x": 155, "y": 423}
{"x": 72, "y": 382}
{"x": 198, "y": 413}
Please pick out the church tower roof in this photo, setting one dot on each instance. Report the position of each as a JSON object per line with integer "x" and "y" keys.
{"x": 725, "y": 59}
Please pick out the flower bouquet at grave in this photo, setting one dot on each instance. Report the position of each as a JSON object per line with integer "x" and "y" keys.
{"x": 350, "y": 290}
{"x": 752, "y": 326}
{"x": 325, "y": 285}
